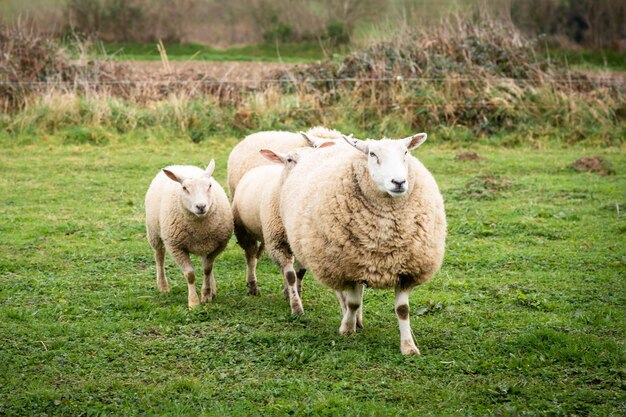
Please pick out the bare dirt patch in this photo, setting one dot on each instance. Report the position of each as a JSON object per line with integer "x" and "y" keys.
{"x": 487, "y": 186}
{"x": 595, "y": 164}
{"x": 468, "y": 156}
{"x": 243, "y": 72}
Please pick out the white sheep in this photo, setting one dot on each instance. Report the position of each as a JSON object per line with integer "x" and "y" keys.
{"x": 373, "y": 217}
{"x": 187, "y": 211}
{"x": 245, "y": 155}
{"x": 256, "y": 214}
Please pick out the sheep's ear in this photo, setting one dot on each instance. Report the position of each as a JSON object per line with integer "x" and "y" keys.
{"x": 326, "y": 144}
{"x": 359, "y": 144}
{"x": 308, "y": 139}
{"x": 414, "y": 141}
{"x": 172, "y": 176}
{"x": 210, "y": 168}
{"x": 273, "y": 156}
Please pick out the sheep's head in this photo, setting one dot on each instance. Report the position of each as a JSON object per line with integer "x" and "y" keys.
{"x": 195, "y": 192}
{"x": 289, "y": 160}
{"x": 387, "y": 161}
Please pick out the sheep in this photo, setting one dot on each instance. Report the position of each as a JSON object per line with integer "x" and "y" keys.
{"x": 256, "y": 216}
{"x": 245, "y": 155}
{"x": 367, "y": 215}
{"x": 187, "y": 211}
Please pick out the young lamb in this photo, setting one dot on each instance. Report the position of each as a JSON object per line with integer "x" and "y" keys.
{"x": 372, "y": 217}
{"x": 245, "y": 155}
{"x": 257, "y": 218}
{"x": 187, "y": 211}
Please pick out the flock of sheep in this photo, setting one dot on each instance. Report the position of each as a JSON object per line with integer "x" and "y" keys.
{"x": 354, "y": 212}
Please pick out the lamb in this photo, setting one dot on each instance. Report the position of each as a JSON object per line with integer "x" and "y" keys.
{"x": 256, "y": 216}
{"x": 245, "y": 155}
{"x": 367, "y": 215}
{"x": 187, "y": 211}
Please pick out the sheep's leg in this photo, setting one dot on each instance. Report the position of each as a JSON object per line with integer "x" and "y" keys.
{"x": 209, "y": 287}
{"x": 249, "y": 244}
{"x": 300, "y": 271}
{"x": 407, "y": 345}
{"x": 182, "y": 260}
{"x": 342, "y": 301}
{"x": 353, "y": 300}
{"x": 359, "y": 314}
{"x": 292, "y": 289}
{"x": 159, "y": 258}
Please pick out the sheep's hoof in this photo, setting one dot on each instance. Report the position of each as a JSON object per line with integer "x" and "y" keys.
{"x": 347, "y": 330}
{"x": 407, "y": 347}
{"x": 359, "y": 324}
{"x": 193, "y": 302}
{"x": 207, "y": 298}
{"x": 164, "y": 289}
{"x": 297, "y": 310}
{"x": 253, "y": 289}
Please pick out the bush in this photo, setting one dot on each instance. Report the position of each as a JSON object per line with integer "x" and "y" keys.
{"x": 337, "y": 33}
{"x": 282, "y": 32}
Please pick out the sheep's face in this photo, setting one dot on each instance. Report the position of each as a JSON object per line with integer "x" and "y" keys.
{"x": 195, "y": 193}
{"x": 387, "y": 161}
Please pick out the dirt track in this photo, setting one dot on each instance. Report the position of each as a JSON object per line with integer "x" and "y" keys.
{"x": 222, "y": 71}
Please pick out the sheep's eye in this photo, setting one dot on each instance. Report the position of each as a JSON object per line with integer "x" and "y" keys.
{"x": 210, "y": 185}
{"x": 289, "y": 160}
{"x": 185, "y": 188}
{"x": 406, "y": 152}
{"x": 372, "y": 154}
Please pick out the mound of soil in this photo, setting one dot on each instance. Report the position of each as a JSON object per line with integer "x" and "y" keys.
{"x": 595, "y": 164}
{"x": 468, "y": 156}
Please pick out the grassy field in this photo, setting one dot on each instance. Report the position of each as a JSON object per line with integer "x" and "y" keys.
{"x": 289, "y": 52}
{"x": 526, "y": 316}
{"x": 591, "y": 60}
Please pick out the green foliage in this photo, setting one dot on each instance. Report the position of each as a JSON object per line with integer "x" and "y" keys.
{"x": 280, "y": 31}
{"x": 287, "y": 52}
{"x": 337, "y": 33}
{"x": 531, "y": 292}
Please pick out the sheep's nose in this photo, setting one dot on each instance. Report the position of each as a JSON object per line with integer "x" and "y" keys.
{"x": 398, "y": 183}
{"x": 201, "y": 207}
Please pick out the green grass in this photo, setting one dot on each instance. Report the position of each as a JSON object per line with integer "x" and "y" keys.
{"x": 591, "y": 60}
{"x": 526, "y": 316}
{"x": 289, "y": 52}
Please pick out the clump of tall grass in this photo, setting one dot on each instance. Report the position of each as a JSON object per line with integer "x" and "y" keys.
{"x": 485, "y": 77}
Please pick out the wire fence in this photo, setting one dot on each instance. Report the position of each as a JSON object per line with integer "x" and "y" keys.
{"x": 609, "y": 81}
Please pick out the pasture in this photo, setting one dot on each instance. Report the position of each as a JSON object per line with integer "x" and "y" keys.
{"x": 526, "y": 316}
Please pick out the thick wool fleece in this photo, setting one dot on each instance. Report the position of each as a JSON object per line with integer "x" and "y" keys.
{"x": 245, "y": 155}
{"x": 256, "y": 208}
{"x": 345, "y": 230}
{"x": 254, "y": 185}
{"x": 169, "y": 221}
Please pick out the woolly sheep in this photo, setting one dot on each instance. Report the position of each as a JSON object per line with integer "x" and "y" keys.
{"x": 187, "y": 211}
{"x": 245, "y": 155}
{"x": 372, "y": 216}
{"x": 256, "y": 216}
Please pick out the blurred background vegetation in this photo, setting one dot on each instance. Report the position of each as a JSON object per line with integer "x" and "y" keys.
{"x": 572, "y": 24}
